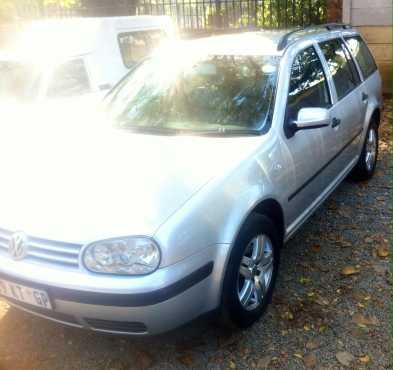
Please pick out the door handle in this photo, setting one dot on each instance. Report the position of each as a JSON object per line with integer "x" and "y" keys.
{"x": 335, "y": 122}
{"x": 364, "y": 97}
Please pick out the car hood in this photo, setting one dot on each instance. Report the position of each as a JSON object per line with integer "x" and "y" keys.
{"x": 85, "y": 183}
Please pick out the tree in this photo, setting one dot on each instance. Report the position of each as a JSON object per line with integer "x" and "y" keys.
{"x": 11, "y": 10}
{"x": 6, "y": 10}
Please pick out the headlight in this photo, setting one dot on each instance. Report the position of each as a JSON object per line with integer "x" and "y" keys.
{"x": 123, "y": 256}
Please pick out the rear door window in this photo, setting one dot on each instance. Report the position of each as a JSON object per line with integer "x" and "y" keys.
{"x": 341, "y": 66}
{"x": 362, "y": 54}
{"x": 135, "y": 46}
{"x": 69, "y": 79}
{"x": 308, "y": 86}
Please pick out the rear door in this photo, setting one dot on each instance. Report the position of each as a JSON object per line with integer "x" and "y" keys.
{"x": 348, "y": 109}
{"x": 371, "y": 86}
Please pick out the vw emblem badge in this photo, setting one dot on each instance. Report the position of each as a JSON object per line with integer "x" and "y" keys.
{"x": 18, "y": 245}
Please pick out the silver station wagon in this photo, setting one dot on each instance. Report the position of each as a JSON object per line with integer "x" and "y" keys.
{"x": 213, "y": 152}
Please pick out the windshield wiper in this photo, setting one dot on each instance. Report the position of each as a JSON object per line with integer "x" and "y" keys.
{"x": 243, "y": 132}
{"x": 155, "y": 130}
{"x": 149, "y": 130}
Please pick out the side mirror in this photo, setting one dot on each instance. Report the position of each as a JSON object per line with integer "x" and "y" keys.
{"x": 308, "y": 119}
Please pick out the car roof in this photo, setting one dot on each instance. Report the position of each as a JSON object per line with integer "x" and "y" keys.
{"x": 317, "y": 32}
{"x": 244, "y": 43}
{"x": 70, "y": 37}
{"x": 240, "y": 43}
{"x": 263, "y": 42}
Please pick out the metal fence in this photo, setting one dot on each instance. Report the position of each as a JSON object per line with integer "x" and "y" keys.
{"x": 191, "y": 16}
{"x": 208, "y": 15}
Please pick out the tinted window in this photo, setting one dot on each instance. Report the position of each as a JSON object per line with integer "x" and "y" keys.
{"x": 362, "y": 54}
{"x": 135, "y": 46}
{"x": 69, "y": 79}
{"x": 341, "y": 66}
{"x": 308, "y": 86}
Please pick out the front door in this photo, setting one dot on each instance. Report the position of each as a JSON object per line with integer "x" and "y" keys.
{"x": 307, "y": 148}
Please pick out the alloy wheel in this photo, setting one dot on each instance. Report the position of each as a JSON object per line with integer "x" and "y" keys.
{"x": 371, "y": 149}
{"x": 255, "y": 272}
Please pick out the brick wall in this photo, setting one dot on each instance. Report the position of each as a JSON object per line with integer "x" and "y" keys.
{"x": 334, "y": 11}
{"x": 373, "y": 18}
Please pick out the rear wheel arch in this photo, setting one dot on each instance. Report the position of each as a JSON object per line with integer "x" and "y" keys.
{"x": 376, "y": 116}
{"x": 365, "y": 167}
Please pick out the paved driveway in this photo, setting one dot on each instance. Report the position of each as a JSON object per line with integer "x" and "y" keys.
{"x": 331, "y": 307}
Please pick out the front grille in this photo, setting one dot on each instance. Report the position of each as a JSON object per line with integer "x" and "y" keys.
{"x": 45, "y": 251}
{"x": 117, "y": 326}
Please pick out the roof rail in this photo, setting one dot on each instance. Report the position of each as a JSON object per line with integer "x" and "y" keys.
{"x": 335, "y": 26}
{"x": 284, "y": 41}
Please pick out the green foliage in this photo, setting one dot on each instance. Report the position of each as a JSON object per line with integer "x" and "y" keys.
{"x": 66, "y": 4}
{"x": 26, "y": 9}
{"x": 262, "y": 14}
{"x": 6, "y": 9}
{"x": 204, "y": 14}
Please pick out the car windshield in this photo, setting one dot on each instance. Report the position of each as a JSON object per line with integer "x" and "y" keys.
{"x": 18, "y": 80}
{"x": 208, "y": 94}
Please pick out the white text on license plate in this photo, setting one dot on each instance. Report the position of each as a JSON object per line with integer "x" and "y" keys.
{"x": 25, "y": 294}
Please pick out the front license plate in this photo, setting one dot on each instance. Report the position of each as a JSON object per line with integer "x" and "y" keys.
{"x": 25, "y": 294}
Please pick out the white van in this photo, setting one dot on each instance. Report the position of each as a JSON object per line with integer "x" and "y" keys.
{"x": 68, "y": 58}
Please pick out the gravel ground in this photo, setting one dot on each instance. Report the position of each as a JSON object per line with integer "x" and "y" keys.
{"x": 330, "y": 310}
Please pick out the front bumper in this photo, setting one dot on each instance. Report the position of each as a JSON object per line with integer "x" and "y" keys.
{"x": 144, "y": 305}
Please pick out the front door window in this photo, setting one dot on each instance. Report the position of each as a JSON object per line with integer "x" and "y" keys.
{"x": 308, "y": 86}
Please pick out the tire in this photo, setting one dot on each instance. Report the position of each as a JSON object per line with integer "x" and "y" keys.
{"x": 235, "y": 313}
{"x": 364, "y": 170}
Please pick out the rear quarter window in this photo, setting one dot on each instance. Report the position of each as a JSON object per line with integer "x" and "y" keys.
{"x": 137, "y": 45}
{"x": 69, "y": 79}
{"x": 362, "y": 54}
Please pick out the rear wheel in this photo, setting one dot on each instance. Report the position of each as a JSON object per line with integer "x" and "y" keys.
{"x": 365, "y": 167}
{"x": 251, "y": 272}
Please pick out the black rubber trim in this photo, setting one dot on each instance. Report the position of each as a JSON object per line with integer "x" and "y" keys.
{"x": 121, "y": 300}
{"x": 312, "y": 178}
{"x": 117, "y": 326}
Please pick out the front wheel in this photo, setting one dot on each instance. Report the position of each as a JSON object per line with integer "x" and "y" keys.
{"x": 251, "y": 272}
{"x": 365, "y": 167}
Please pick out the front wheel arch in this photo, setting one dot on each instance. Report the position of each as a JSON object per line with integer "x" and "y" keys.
{"x": 231, "y": 311}
{"x": 272, "y": 209}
